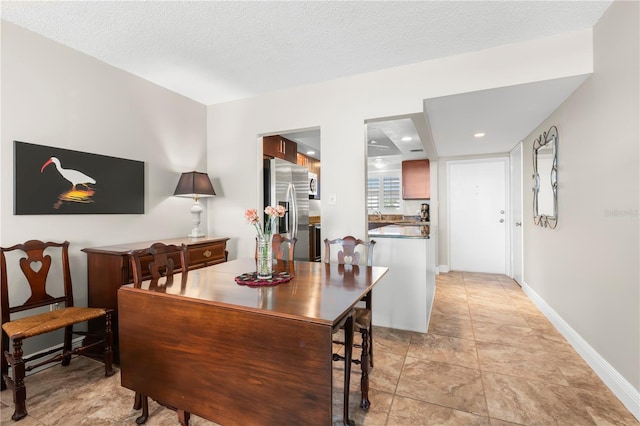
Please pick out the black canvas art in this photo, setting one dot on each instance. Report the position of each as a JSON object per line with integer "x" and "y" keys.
{"x": 51, "y": 180}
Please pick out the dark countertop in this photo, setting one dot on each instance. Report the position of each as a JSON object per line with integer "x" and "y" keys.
{"x": 401, "y": 231}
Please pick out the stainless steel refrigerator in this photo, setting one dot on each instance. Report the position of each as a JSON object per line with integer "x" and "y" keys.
{"x": 287, "y": 184}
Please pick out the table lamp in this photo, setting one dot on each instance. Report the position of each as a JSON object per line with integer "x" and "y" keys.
{"x": 195, "y": 185}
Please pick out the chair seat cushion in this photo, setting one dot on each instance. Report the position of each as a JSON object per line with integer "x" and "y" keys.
{"x": 49, "y": 321}
{"x": 362, "y": 318}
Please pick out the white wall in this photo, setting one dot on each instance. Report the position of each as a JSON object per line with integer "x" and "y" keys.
{"x": 586, "y": 270}
{"x": 340, "y": 108}
{"x": 53, "y": 95}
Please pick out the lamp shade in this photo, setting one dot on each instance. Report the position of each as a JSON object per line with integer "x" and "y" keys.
{"x": 194, "y": 185}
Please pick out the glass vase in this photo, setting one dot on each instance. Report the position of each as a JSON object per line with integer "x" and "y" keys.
{"x": 265, "y": 258}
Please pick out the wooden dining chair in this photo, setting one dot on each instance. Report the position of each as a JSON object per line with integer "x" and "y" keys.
{"x": 349, "y": 254}
{"x": 36, "y": 268}
{"x": 157, "y": 264}
{"x": 281, "y": 246}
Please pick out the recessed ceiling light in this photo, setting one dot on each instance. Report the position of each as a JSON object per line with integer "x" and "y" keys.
{"x": 406, "y": 139}
{"x": 378, "y": 159}
{"x": 379, "y": 165}
{"x": 311, "y": 152}
{"x": 478, "y": 135}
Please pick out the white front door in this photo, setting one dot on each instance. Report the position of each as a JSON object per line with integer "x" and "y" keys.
{"x": 478, "y": 215}
{"x": 515, "y": 179}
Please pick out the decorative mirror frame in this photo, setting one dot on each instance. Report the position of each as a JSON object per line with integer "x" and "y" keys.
{"x": 547, "y": 139}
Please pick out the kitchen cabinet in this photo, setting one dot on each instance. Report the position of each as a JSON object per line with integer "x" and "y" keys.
{"x": 416, "y": 180}
{"x": 280, "y": 147}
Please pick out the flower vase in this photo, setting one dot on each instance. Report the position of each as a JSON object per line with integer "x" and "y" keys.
{"x": 265, "y": 258}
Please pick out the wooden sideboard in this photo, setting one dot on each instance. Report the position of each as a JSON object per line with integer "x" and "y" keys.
{"x": 108, "y": 268}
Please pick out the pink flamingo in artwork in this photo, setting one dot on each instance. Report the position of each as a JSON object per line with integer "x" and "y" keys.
{"x": 73, "y": 176}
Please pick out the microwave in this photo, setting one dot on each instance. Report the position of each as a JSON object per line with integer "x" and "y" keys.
{"x": 313, "y": 184}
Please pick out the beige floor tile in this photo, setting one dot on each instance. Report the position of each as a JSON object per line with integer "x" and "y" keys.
{"x": 407, "y": 411}
{"x": 525, "y": 307}
{"x": 451, "y": 350}
{"x": 505, "y": 280}
{"x": 480, "y": 281}
{"x": 525, "y": 363}
{"x": 444, "y": 325}
{"x": 386, "y": 372}
{"x": 376, "y": 415}
{"x": 484, "y": 298}
{"x": 457, "y": 295}
{"x": 443, "y": 384}
{"x": 496, "y": 313}
{"x": 481, "y": 276}
{"x": 451, "y": 287}
{"x": 460, "y": 310}
{"x": 531, "y": 402}
{"x": 553, "y": 341}
{"x": 457, "y": 286}
{"x": 604, "y": 408}
{"x": 498, "y": 422}
{"x": 577, "y": 373}
{"x": 391, "y": 340}
{"x": 537, "y": 320}
{"x": 447, "y": 302}
{"x": 26, "y": 421}
{"x": 512, "y": 335}
{"x": 452, "y": 276}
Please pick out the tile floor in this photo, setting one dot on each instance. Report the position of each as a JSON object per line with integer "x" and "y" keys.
{"x": 490, "y": 358}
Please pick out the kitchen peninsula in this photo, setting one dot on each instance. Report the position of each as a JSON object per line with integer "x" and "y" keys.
{"x": 405, "y": 301}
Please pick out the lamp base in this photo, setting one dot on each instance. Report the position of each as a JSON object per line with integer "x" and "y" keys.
{"x": 196, "y": 209}
{"x": 196, "y": 233}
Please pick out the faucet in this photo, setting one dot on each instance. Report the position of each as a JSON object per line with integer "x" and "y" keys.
{"x": 378, "y": 213}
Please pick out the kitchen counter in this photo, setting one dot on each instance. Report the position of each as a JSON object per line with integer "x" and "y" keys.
{"x": 405, "y": 301}
{"x": 413, "y": 230}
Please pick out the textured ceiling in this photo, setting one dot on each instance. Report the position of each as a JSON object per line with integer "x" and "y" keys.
{"x": 215, "y": 51}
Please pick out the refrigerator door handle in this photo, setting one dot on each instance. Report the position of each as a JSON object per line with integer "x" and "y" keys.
{"x": 293, "y": 210}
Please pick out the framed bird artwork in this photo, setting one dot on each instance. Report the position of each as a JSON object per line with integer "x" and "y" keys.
{"x": 49, "y": 180}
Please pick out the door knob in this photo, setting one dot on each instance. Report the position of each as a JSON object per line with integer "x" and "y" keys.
{"x": 501, "y": 220}
{"x": 518, "y": 223}
{"x": 501, "y": 211}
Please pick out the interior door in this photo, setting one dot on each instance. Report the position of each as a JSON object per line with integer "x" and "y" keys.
{"x": 515, "y": 179}
{"x": 478, "y": 215}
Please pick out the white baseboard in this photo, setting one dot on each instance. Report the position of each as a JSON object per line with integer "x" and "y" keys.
{"x": 443, "y": 269}
{"x": 625, "y": 392}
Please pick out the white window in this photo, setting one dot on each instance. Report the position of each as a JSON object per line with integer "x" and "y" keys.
{"x": 391, "y": 192}
{"x": 383, "y": 193}
{"x": 373, "y": 193}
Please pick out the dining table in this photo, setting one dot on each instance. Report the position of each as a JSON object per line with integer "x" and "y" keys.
{"x": 236, "y": 352}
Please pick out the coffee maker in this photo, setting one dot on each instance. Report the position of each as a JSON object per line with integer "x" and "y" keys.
{"x": 424, "y": 212}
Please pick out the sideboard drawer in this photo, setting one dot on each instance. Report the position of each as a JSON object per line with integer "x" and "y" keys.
{"x": 204, "y": 255}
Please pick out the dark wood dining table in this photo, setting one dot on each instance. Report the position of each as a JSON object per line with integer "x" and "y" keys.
{"x": 237, "y": 354}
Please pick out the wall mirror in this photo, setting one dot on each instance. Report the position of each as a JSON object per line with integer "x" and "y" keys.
{"x": 545, "y": 179}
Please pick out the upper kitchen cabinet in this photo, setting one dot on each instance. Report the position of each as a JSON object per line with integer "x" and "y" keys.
{"x": 280, "y": 147}
{"x": 416, "y": 180}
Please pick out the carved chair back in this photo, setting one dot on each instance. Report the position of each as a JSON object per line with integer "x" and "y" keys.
{"x": 161, "y": 263}
{"x": 348, "y": 255}
{"x": 281, "y": 246}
